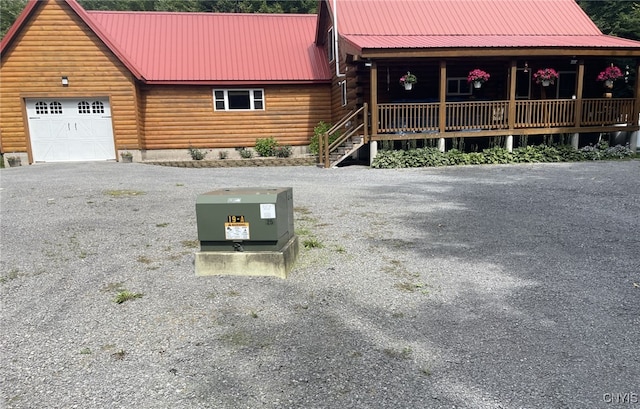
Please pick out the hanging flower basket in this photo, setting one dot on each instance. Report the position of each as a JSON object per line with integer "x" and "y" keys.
{"x": 478, "y": 77}
{"x": 609, "y": 75}
{"x": 546, "y": 76}
{"x": 408, "y": 80}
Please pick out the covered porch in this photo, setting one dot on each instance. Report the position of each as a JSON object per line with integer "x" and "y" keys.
{"x": 510, "y": 103}
{"x": 443, "y": 104}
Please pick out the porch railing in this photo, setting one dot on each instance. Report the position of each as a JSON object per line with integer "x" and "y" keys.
{"x": 489, "y": 115}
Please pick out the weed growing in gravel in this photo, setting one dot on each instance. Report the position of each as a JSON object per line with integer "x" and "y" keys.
{"x": 312, "y": 243}
{"x": 85, "y": 351}
{"x": 162, "y": 224}
{"x": 404, "y": 353}
{"x": 123, "y": 193}
{"x": 144, "y": 260}
{"x": 11, "y": 275}
{"x": 126, "y": 295}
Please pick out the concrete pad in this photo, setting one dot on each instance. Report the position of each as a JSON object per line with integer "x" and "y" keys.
{"x": 248, "y": 263}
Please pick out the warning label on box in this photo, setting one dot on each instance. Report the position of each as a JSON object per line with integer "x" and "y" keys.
{"x": 236, "y": 231}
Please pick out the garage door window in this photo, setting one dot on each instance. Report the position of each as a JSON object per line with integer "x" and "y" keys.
{"x": 55, "y": 107}
{"x": 84, "y": 107}
{"x": 97, "y": 107}
{"x": 42, "y": 108}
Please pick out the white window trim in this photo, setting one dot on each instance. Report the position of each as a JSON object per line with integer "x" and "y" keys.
{"x": 252, "y": 99}
{"x": 343, "y": 92}
{"x": 460, "y": 80}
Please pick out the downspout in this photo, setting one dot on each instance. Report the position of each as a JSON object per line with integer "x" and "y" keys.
{"x": 335, "y": 39}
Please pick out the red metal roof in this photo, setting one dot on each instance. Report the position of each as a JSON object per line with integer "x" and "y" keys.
{"x": 469, "y": 23}
{"x": 217, "y": 48}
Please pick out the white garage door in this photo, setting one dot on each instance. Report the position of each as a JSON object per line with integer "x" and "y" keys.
{"x": 70, "y": 129}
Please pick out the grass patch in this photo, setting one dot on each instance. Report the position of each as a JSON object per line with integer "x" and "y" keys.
{"x": 123, "y": 193}
{"x": 126, "y": 295}
{"x": 162, "y": 224}
{"x": 11, "y": 275}
{"x": 312, "y": 243}
{"x": 144, "y": 260}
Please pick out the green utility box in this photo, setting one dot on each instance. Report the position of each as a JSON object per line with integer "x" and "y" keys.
{"x": 245, "y": 219}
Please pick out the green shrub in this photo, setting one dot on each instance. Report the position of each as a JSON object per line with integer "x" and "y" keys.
{"x": 196, "y": 154}
{"x": 320, "y": 129}
{"x": 283, "y": 151}
{"x": 245, "y": 153}
{"x": 429, "y": 156}
{"x": 266, "y": 146}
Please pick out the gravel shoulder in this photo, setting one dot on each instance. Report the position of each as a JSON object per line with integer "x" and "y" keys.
{"x": 510, "y": 286}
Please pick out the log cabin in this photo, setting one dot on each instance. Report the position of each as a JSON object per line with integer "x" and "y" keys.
{"x": 86, "y": 85}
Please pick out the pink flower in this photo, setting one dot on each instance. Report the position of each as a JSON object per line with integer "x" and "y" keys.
{"x": 478, "y": 75}
{"x": 610, "y": 74}
{"x": 546, "y": 74}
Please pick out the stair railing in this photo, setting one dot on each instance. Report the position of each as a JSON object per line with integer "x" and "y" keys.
{"x": 325, "y": 149}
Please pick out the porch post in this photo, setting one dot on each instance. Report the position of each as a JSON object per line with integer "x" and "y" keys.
{"x": 575, "y": 138}
{"x": 511, "y": 115}
{"x": 374, "y": 99}
{"x": 443, "y": 97}
{"x": 633, "y": 143}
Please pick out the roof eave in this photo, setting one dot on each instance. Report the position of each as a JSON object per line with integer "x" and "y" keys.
{"x": 497, "y": 52}
{"x": 238, "y": 83}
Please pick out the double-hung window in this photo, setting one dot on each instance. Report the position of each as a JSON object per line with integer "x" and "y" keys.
{"x": 238, "y": 99}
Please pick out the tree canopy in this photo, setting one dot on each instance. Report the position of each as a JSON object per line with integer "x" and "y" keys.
{"x": 614, "y": 17}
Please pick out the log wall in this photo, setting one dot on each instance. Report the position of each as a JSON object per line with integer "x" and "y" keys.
{"x": 179, "y": 116}
{"x": 55, "y": 42}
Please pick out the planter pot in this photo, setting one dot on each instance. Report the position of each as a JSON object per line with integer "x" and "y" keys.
{"x": 477, "y": 84}
{"x": 14, "y": 162}
{"x": 608, "y": 95}
{"x": 608, "y": 83}
{"x": 546, "y": 83}
{"x": 408, "y": 86}
{"x": 126, "y": 158}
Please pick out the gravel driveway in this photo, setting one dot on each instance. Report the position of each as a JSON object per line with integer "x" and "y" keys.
{"x": 459, "y": 287}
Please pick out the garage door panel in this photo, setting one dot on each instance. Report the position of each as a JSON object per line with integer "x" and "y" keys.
{"x": 70, "y": 129}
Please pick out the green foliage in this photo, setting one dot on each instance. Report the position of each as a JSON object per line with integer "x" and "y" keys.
{"x": 126, "y": 295}
{"x": 614, "y": 17}
{"x": 245, "y": 153}
{"x": 9, "y": 12}
{"x": 283, "y": 151}
{"x": 196, "y": 154}
{"x": 425, "y": 157}
{"x": 319, "y": 130}
{"x": 266, "y": 146}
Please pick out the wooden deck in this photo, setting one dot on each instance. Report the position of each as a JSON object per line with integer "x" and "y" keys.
{"x": 484, "y": 118}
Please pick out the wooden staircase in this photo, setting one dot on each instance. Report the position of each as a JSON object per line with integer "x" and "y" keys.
{"x": 352, "y": 133}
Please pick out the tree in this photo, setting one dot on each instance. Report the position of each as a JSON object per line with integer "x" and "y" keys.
{"x": 614, "y": 17}
{"x": 9, "y": 12}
